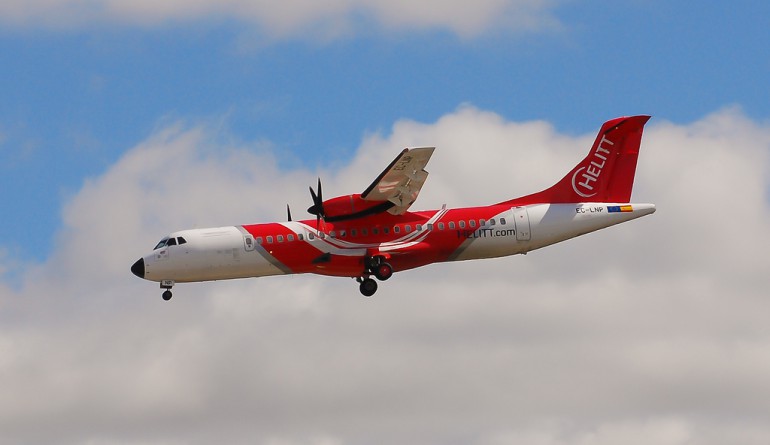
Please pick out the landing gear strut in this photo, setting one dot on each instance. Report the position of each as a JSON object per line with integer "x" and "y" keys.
{"x": 377, "y": 266}
{"x": 166, "y": 284}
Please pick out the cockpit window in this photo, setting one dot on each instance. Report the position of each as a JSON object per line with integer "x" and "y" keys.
{"x": 181, "y": 240}
{"x": 171, "y": 242}
{"x": 161, "y": 243}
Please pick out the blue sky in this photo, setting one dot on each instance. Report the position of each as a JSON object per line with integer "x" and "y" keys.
{"x": 75, "y": 98}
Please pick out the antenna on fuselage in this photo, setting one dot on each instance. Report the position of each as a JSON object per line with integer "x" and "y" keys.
{"x": 288, "y": 212}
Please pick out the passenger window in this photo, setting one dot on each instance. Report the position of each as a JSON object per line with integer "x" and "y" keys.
{"x": 300, "y": 237}
{"x": 364, "y": 232}
{"x": 269, "y": 240}
{"x": 375, "y": 231}
{"x": 482, "y": 222}
{"x": 386, "y": 230}
{"x": 171, "y": 242}
{"x": 343, "y": 234}
{"x": 408, "y": 228}
{"x": 181, "y": 240}
{"x": 441, "y": 226}
{"x": 353, "y": 232}
{"x": 290, "y": 237}
{"x": 492, "y": 222}
{"x": 259, "y": 240}
{"x": 310, "y": 236}
{"x": 502, "y": 221}
{"x": 451, "y": 224}
{"x": 472, "y": 223}
{"x": 322, "y": 235}
{"x": 430, "y": 227}
{"x": 333, "y": 234}
{"x": 462, "y": 224}
{"x": 396, "y": 229}
{"x": 419, "y": 227}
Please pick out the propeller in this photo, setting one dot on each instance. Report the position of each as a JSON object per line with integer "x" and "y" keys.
{"x": 317, "y": 208}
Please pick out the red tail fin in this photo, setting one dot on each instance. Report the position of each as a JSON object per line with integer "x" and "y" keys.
{"x": 606, "y": 174}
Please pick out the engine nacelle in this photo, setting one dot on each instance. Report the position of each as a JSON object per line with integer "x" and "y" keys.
{"x": 351, "y": 206}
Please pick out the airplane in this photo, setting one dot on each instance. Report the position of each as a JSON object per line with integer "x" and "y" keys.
{"x": 373, "y": 234}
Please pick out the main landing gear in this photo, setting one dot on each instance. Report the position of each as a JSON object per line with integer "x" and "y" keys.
{"x": 166, "y": 284}
{"x": 367, "y": 287}
{"x": 381, "y": 270}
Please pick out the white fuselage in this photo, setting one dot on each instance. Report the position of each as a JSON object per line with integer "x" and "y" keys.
{"x": 235, "y": 252}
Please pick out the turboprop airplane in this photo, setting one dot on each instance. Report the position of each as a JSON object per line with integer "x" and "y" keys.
{"x": 373, "y": 234}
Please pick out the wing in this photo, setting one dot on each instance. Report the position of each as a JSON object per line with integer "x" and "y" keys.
{"x": 401, "y": 181}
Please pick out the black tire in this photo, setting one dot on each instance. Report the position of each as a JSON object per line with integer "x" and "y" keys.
{"x": 368, "y": 287}
{"x": 166, "y": 295}
{"x": 383, "y": 271}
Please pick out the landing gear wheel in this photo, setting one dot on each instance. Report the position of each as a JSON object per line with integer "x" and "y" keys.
{"x": 383, "y": 271}
{"x": 368, "y": 287}
{"x": 166, "y": 295}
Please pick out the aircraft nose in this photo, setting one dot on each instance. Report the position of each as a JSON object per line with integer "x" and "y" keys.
{"x": 138, "y": 268}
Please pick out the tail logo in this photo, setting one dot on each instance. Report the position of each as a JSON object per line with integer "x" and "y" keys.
{"x": 585, "y": 178}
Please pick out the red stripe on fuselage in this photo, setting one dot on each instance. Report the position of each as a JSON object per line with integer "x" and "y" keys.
{"x": 343, "y": 254}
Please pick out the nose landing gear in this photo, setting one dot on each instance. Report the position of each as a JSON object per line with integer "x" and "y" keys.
{"x": 166, "y": 284}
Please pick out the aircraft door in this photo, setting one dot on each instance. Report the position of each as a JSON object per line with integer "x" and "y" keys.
{"x": 248, "y": 242}
{"x": 521, "y": 221}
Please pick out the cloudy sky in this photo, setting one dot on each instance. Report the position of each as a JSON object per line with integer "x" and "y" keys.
{"x": 124, "y": 120}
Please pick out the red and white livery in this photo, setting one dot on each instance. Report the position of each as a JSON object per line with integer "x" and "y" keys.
{"x": 373, "y": 234}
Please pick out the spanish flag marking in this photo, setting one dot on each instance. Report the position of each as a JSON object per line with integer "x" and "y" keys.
{"x": 620, "y": 209}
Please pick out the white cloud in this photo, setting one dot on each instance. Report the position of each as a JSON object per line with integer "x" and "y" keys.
{"x": 658, "y": 431}
{"x": 650, "y": 332}
{"x": 293, "y": 17}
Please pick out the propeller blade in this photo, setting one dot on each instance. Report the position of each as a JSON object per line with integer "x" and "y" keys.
{"x": 318, "y": 202}
{"x": 313, "y": 209}
{"x": 317, "y": 208}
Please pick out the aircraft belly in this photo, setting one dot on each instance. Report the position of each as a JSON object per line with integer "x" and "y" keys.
{"x": 231, "y": 263}
{"x": 476, "y": 248}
